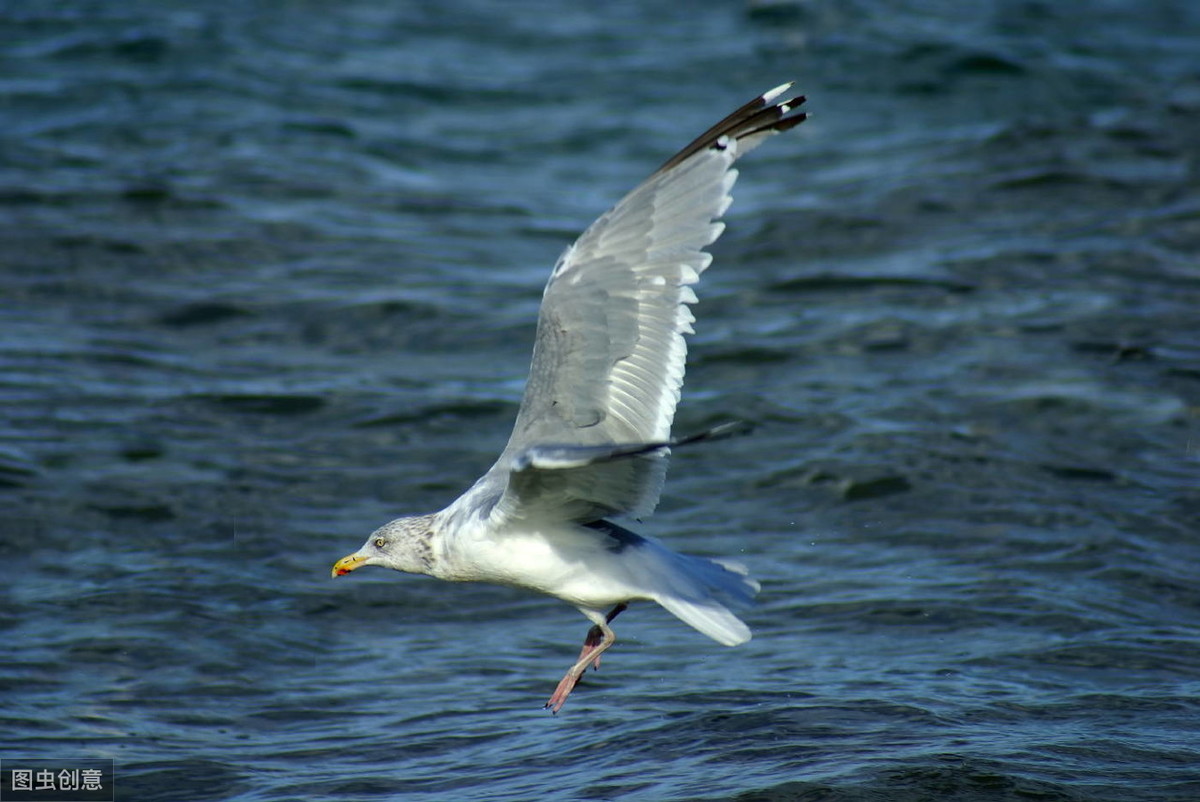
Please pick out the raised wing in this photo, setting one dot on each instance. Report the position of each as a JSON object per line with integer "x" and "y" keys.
{"x": 608, "y": 361}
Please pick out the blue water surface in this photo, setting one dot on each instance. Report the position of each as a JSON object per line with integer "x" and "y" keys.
{"x": 268, "y": 278}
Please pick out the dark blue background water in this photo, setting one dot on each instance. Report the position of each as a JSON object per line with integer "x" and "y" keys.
{"x": 268, "y": 277}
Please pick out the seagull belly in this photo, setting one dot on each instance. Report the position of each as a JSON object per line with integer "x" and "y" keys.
{"x": 564, "y": 560}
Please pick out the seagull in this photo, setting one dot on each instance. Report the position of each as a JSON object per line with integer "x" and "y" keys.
{"x": 593, "y": 432}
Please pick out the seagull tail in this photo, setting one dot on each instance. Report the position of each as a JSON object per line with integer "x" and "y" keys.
{"x": 714, "y": 620}
{"x": 713, "y": 586}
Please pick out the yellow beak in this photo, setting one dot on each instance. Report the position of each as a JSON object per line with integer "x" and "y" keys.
{"x": 347, "y": 564}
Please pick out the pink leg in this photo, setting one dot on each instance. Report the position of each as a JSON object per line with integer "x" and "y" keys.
{"x": 594, "y": 636}
{"x": 598, "y": 639}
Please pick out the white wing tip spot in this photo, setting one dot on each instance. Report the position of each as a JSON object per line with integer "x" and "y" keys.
{"x": 771, "y": 94}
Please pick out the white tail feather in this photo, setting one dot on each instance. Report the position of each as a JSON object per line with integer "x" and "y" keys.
{"x": 710, "y": 618}
{"x": 700, "y": 591}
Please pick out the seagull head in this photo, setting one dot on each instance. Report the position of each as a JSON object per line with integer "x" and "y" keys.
{"x": 402, "y": 545}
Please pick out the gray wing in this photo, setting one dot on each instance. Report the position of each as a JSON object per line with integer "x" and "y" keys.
{"x": 608, "y": 360}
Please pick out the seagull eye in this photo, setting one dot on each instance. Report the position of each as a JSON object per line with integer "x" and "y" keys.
{"x": 380, "y": 542}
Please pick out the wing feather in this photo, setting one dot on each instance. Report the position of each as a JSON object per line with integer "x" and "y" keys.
{"x": 608, "y": 360}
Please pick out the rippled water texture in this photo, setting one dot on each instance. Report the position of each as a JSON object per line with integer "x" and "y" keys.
{"x": 268, "y": 277}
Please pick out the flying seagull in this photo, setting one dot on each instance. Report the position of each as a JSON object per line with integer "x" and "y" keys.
{"x": 594, "y": 429}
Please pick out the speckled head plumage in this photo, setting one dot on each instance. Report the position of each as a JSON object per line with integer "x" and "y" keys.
{"x": 405, "y": 544}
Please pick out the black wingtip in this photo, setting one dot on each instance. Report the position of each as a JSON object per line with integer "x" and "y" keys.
{"x": 735, "y": 428}
{"x": 770, "y": 112}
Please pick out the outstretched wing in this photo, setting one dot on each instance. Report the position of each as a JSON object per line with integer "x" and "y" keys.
{"x": 608, "y": 361}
